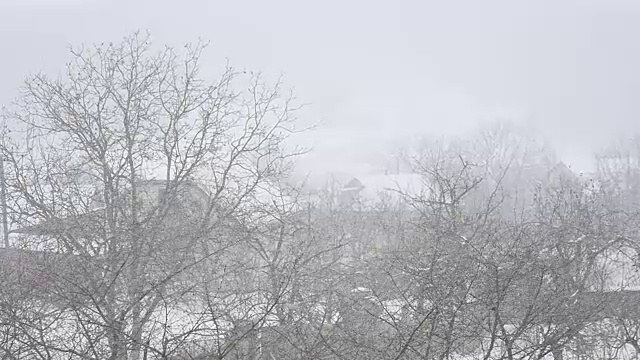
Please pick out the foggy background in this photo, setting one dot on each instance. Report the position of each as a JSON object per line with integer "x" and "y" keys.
{"x": 377, "y": 73}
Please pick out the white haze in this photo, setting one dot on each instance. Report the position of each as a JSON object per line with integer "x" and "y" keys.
{"x": 377, "y": 73}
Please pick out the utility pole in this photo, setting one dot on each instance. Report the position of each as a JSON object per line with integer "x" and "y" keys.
{"x": 3, "y": 204}
{"x": 3, "y": 184}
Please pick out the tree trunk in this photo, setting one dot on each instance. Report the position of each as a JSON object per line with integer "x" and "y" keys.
{"x": 558, "y": 353}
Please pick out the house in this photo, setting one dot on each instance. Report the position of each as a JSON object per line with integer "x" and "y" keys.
{"x": 67, "y": 254}
{"x": 38, "y": 275}
{"x": 151, "y": 194}
{"x": 378, "y": 188}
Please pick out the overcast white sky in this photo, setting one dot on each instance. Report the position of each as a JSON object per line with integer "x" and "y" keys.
{"x": 381, "y": 70}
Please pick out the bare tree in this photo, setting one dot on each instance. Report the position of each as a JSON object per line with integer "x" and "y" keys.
{"x": 151, "y": 219}
{"x": 146, "y": 174}
{"x": 490, "y": 276}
